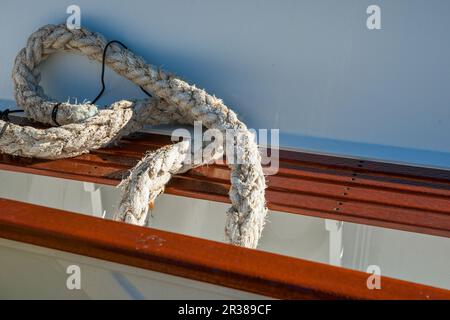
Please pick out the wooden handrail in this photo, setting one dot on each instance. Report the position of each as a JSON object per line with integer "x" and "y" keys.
{"x": 213, "y": 262}
{"x": 368, "y": 192}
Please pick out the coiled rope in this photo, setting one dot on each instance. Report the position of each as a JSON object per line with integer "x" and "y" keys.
{"x": 82, "y": 127}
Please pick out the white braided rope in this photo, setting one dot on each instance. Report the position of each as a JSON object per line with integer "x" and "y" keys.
{"x": 85, "y": 128}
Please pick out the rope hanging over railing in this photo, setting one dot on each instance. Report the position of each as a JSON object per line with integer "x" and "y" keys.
{"x": 82, "y": 127}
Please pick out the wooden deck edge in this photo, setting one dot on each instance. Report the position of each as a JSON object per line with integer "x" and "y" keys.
{"x": 394, "y": 196}
{"x": 194, "y": 258}
{"x": 403, "y": 219}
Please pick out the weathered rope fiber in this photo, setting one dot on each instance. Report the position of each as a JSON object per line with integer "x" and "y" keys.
{"x": 84, "y": 128}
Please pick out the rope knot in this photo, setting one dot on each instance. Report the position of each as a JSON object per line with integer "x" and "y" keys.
{"x": 81, "y": 128}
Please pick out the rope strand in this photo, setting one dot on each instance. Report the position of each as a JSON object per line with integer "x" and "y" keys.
{"x": 82, "y": 127}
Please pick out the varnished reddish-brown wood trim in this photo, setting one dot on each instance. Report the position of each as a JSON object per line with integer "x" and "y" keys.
{"x": 213, "y": 262}
{"x": 380, "y": 194}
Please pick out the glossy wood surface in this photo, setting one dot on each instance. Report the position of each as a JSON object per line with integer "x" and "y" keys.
{"x": 360, "y": 191}
{"x": 213, "y": 262}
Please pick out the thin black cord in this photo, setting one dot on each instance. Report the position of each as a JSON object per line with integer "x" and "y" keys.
{"x": 4, "y": 115}
{"x": 103, "y": 71}
{"x": 55, "y": 113}
{"x": 55, "y": 108}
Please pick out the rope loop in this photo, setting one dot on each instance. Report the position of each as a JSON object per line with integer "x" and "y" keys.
{"x": 83, "y": 127}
